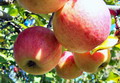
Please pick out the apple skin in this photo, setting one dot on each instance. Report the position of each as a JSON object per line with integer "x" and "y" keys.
{"x": 81, "y": 25}
{"x": 92, "y": 62}
{"x": 42, "y": 6}
{"x": 36, "y": 50}
{"x": 66, "y": 67}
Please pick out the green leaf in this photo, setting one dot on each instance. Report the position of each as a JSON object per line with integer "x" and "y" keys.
{"x": 116, "y": 80}
{"x": 2, "y": 59}
{"x": 118, "y": 46}
{"x": 2, "y": 39}
{"x": 5, "y": 79}
{"x": 110, "y": 2}
{"x": 111, "y": 76}
{"x": 113, "y": 20}
{"x": 49, "y": 75}
{"x": 46, "y": 16}
{"x": 23, "y": 26}
{"x": 13, "y": 12}
{"x": 13, "y": 38}
{"x": 7, "y": 58}
{"x": 38, "y": 20}
{"x": 37, "y": 80}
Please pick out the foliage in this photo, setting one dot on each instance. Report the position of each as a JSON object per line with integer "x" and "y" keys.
{"x": 22, "y": 19}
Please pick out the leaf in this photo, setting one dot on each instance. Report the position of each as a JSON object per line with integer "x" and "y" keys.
{"x": 7, "y": 58}
{"x": 64, "y": 49}
{"x": 118, "y": 46}
{"x": 111, "y": 76}
{"x": 2, "y": 39}
{"x": 112, "y": 20}
{"x": 5, "y": 79}
{"x": 23, "y": 26}
{"x": 2, "y": 59}
{"x": 38, "y": 20}
{"x": 37, "y": 80}
{"x": 108, "y": 43}
{"x": 49, "y": 75}
{"x": 116, "y": 80}
{"x": 13, "y": 12}
{"x": 13, "y": 38}
{"x": 46, "y": 16}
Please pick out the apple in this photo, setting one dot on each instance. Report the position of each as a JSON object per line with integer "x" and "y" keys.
{"x": 66, "y": 67}
{"x": 81, "y": 25}
{"x": 36, "y": 50}
{"x": 92, "y": 62}
{"x": 42, "y": 6}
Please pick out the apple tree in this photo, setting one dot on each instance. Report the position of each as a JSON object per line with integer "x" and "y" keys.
{"x": 14, "y": 19}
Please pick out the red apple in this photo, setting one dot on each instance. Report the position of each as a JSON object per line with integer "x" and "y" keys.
{"x": 42, "y": 6}
{"x": 66, "y": 67}
{"x": 92, "y": 62}
{"x": 36, "y": 50}
{"x": 81, "y": 25}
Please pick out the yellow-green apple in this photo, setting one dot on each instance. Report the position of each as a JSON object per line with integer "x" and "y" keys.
{"x": 92, "y": 62}
{"x": 36, "y": 50}
{"x": 66, "y": 67}
{"x": 42, "y": 6}
{"x": 81, "y": 25}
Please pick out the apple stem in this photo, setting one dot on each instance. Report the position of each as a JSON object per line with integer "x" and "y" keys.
{"x": 31, "y": 63}
{"x": 49, "y": 23}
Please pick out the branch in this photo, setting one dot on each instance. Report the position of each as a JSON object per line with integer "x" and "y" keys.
{"x": 117, "y": 22}
{"x": 6, "y": 49}
{"x": 114, "y": 9}
{"x": 17, "y": 27}
{"x": 5, "y": 26}
{"x": 5, "y": 16}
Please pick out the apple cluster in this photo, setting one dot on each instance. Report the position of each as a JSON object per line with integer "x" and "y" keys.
{"x": 78, "y": 25}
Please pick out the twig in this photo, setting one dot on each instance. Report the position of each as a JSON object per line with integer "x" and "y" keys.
{"x": 5, "y": 26}
{"x": 17, "y": 27}
{"x": 5, "y": 16}
{"x": 6, "y": 49}
{"x": 115, "y": 11}
{"x": 117, "y": 22}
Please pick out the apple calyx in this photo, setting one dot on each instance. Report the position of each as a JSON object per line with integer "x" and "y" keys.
{"x": 31, "y": 64}
{"x": 103, "y": 65}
